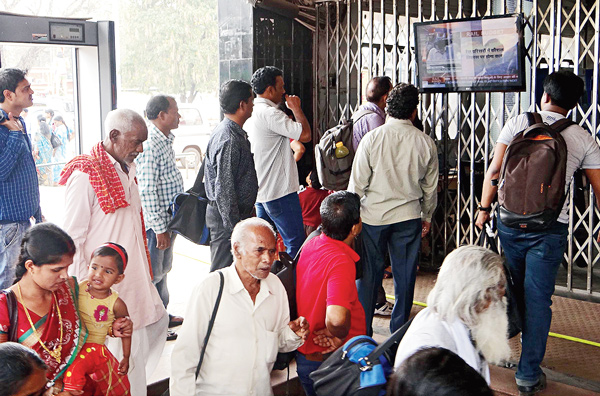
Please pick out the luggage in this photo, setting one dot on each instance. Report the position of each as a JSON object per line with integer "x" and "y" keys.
{"x": 360, "y": 367}
{"x": 531, "y": 189}
{"x": 334, "y": 172}
{"x": 189, "y": 212}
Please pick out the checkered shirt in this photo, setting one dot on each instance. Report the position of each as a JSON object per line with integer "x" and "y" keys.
{"x": 19, "y": 190}
{"x": 159, "y": 180}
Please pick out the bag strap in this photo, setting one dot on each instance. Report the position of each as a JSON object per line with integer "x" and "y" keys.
{"x": 198, "y": 187}
{"x": 211, "y": 323}
{"x": 360, "y": 114}
{"x": 310, "y": 236}
{"x": 562, "y": 124}
{"x": 396, "y": 337}
{"x": 487, "y": 235}
{"x": 533, "y": 118}
{"x": 13, "y": 311}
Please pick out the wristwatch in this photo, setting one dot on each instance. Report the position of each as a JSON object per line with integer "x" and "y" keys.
{"x": 484, "y": 209}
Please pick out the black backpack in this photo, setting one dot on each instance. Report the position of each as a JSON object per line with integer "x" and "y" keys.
{"x": 334, "y": 173}
{"x": 531, "y": 189}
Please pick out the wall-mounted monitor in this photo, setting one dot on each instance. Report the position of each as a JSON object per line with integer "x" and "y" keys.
{"x": 469, "y": 55}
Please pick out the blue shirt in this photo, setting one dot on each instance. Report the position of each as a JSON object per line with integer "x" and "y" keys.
{"x": 367, "y": 123}
{"x": 19, "y": 190}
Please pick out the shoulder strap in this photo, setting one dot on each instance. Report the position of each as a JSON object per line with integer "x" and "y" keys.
{"x": 533, "y": 118}
{"x": 562, "y": 124}
{"x": 198, "y": 187}
{"x": 13, "y": 311}
{"x": 360, "y": 114}
{"x": 313, "y": 234}
{"x": 212, "y": 321}
{"x": 396, "y": 337}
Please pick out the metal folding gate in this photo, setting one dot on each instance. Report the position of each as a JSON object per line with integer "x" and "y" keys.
{"x": 356, "y": 40}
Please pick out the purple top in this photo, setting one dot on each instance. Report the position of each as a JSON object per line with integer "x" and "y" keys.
{"x": 367, "y": 123}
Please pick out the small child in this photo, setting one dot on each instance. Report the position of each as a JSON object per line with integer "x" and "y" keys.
{"x": 99, "y": 305}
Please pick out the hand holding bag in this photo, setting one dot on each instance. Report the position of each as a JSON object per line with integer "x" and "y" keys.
{"x": 189, "y": 212}
{"x": 359, "y": 368}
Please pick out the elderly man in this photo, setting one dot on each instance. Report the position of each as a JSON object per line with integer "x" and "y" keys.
{"x": 19, "y": 190}
{"x": 395, "y": 172}
{"x": 325, "y": 281}
{"x": 159, "y": 181}
{"x": 104, "y": 205}
{"x": 466, "y": 311}
{"x": 270, "y": 130}
{"x": 251, "y": 326}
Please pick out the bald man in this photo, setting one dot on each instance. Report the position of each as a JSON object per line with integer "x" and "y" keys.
{"x": 252, "y": 324}
{"x": 104, "y": 205}
{"x": 371, "y": 114}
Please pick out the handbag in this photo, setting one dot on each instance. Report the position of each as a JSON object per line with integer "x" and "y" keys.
{"x": 360, "y": 367}
{"x": 55, "y": 141}
{"x": 189, "y": 212}
{"x": 515, "y": 305}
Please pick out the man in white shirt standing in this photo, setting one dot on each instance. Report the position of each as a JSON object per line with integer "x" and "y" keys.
{"x": 104, "y": 204}
{"x": 395, "y": 172}
{"x": 270, "y": 130}
{"x": 251, "y": 326}
{"x": 466, "y": 312}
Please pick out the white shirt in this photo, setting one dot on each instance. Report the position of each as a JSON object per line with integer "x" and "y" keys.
{"x": 427, "y": 330}
{"x": 269, "y": 131}
{"x": 90, "y": 227}
{"x": 582, "y": 149}
{"x": 243, "y": 343}
{"x": 395, "y": 172}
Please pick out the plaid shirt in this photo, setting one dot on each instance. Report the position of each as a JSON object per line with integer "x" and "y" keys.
{"x": 19, "y": 190}
{"x": 159, "y": 180}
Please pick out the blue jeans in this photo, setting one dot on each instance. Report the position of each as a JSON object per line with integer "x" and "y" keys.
{"x": 403, "y": 241}
{"x": 285, "y": 214}
{"x": 162, "y": 262}
{"x": 304, "y": 367}
{"x": 11, "y": 235}
{"x": 534, "y": 258}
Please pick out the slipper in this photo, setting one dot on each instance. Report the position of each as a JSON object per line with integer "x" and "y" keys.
{"x": 171, "y": 335}
{"x": 175, "y": 320}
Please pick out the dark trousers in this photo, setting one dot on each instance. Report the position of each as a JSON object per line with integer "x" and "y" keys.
{"x": 534, "y": 258}
{"x": 403, "y": 241}
{"x": 220, "y": 240}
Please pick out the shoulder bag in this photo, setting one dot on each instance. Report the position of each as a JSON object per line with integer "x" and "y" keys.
{"x": 189, "y": 212}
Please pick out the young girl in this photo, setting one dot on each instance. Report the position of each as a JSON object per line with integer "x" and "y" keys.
{"x": 99, "y": 305}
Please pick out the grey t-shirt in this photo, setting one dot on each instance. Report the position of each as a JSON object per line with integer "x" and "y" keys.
{"x": 582, "y": 150}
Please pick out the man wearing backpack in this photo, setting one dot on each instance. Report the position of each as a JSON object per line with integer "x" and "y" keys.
{"x": 535, "y": 255}
{"x": 377, "y": 93}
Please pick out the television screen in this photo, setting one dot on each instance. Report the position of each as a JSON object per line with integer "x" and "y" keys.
{"x": 483, "y": 54}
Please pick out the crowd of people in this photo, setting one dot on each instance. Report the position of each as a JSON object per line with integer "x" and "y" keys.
{"x": 104, "y": 274}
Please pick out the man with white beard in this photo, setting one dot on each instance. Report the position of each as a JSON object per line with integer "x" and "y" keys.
{"x": 466, "y": 311}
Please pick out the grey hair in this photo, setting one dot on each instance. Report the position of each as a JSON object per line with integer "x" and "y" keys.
{"x": 241, "y": 228}
{"x": 121, "y": 120}
{"x": 466, "y": 276}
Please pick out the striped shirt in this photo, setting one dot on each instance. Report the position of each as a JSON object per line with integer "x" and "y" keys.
{"x": 19, "y": 190}
{"x": 159, "y": 180}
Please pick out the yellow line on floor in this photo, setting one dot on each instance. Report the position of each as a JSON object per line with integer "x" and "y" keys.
{"x": 191, "y": 258}
{"x": 551, "y": 334}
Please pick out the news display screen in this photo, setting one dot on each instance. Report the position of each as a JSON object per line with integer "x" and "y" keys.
{"x": 483, "y": 54}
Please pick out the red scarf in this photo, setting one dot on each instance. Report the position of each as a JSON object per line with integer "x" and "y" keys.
{"x": 106, "y": 183}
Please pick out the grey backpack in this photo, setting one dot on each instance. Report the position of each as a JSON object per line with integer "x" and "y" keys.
{"x": 334, "y": 173}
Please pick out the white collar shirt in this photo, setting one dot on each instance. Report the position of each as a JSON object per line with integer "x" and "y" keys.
{"x": 269, "y": 131}
{"x": 427, "y": 330}
{"x": 243, "y": 343}
{"x": 90, "y": 227}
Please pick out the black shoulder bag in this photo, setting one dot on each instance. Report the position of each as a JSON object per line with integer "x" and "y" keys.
{"x": 11, "y": 303}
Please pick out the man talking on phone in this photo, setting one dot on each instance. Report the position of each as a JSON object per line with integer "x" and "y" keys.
{"x": 269, "y": 131}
